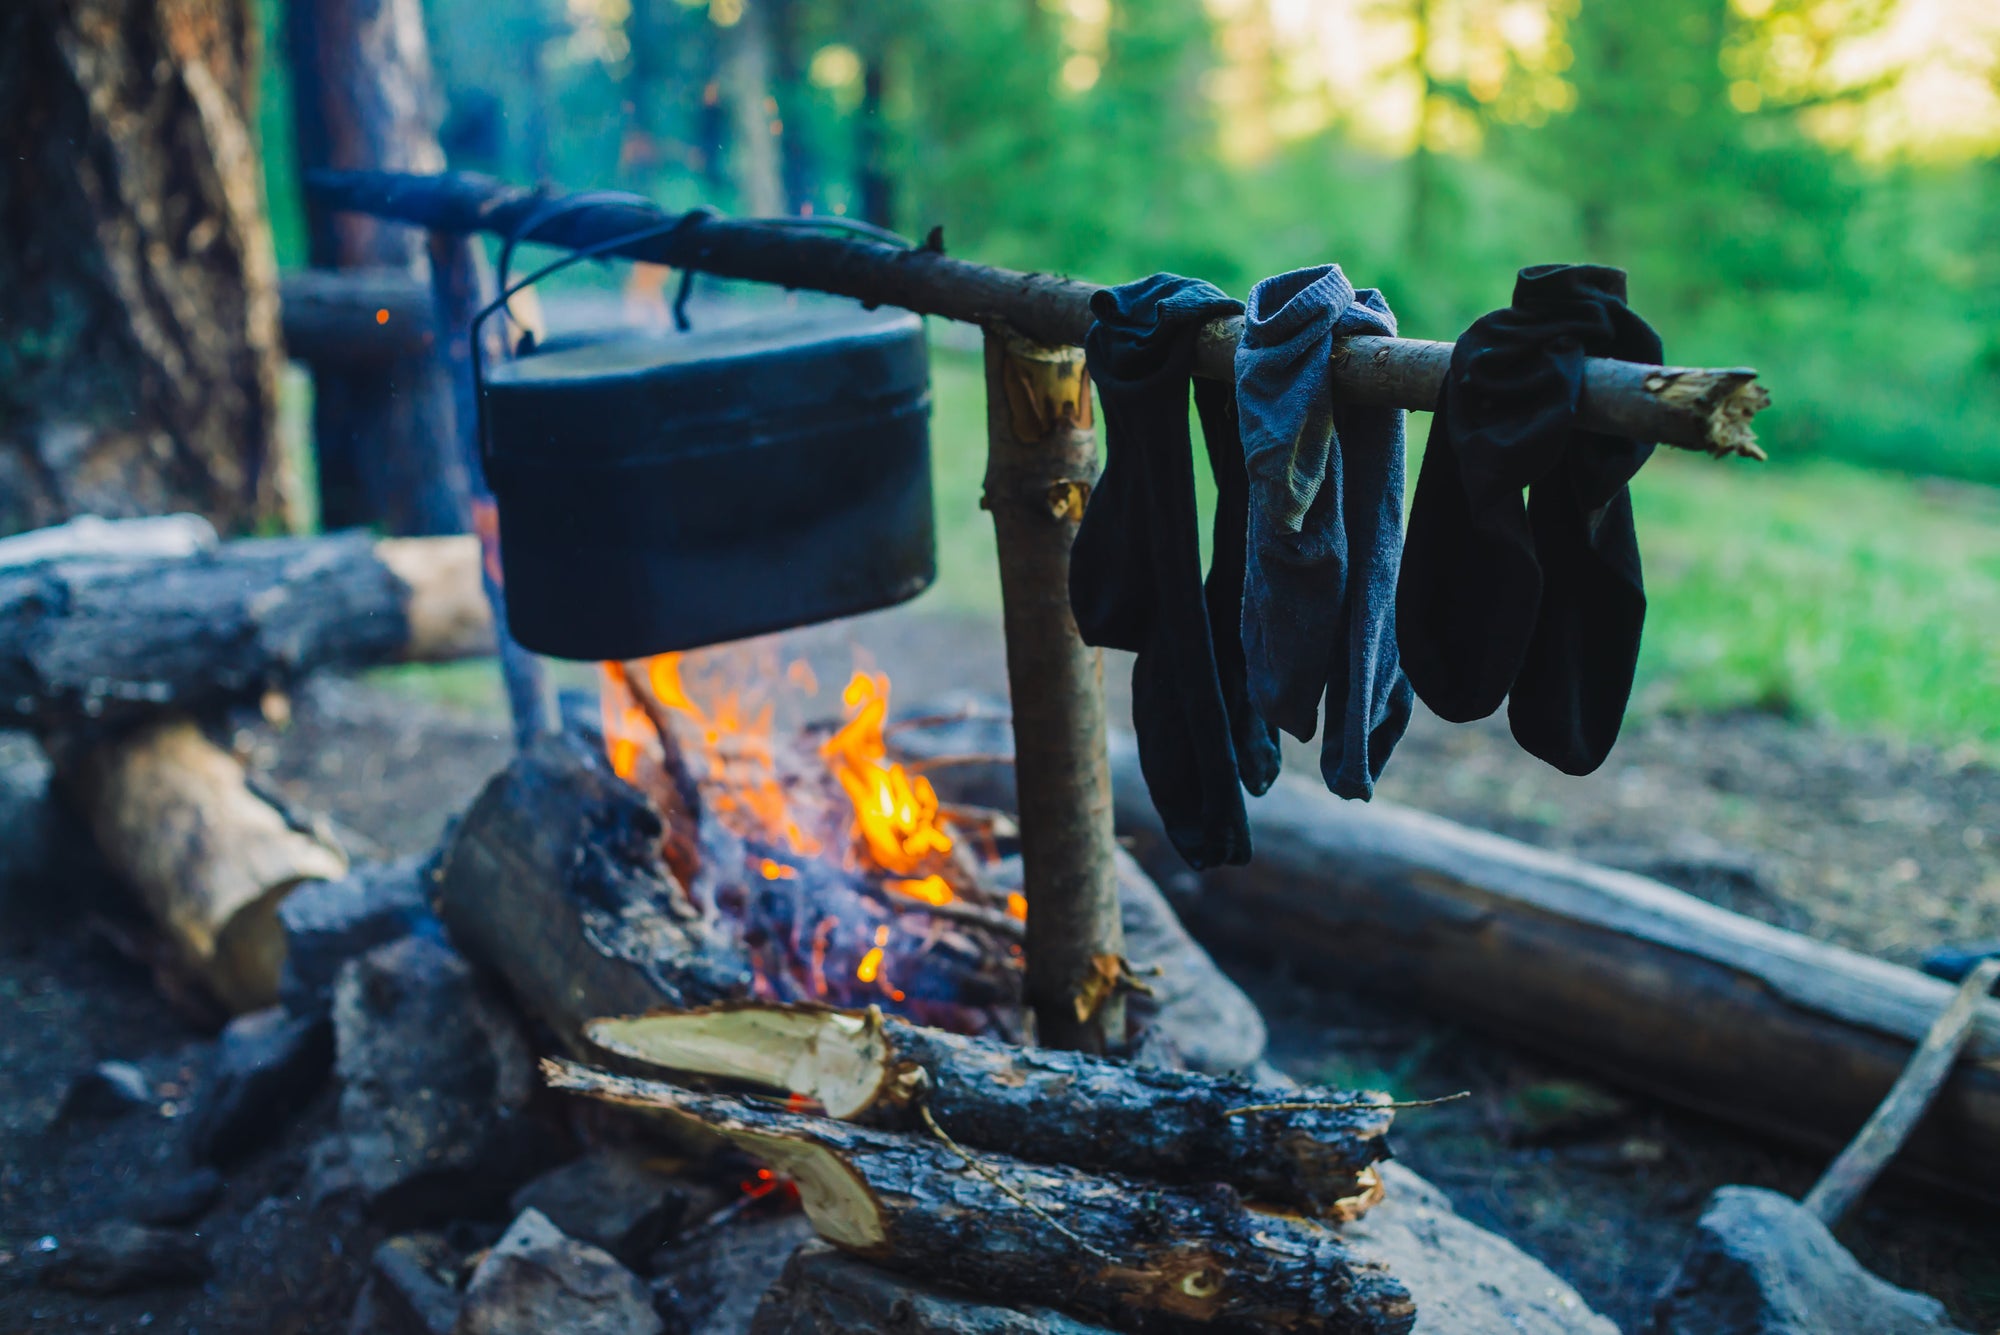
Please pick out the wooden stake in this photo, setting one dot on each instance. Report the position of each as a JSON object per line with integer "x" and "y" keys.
{"x": 1041, "y": 461}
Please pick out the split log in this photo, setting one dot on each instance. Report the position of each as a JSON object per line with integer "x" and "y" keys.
{"x": 209, "y": 856}
{"x": 1692, "y": 408}
{"x": 1033, "y": 1103}
{"x": 112, "y": 640}
{"x": 1637, "y": 982}
{"x": 1135, "y": 1254}
{"x": 554, "y": 881}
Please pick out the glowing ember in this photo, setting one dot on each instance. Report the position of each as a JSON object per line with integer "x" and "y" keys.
{"x": 821, "y": 854}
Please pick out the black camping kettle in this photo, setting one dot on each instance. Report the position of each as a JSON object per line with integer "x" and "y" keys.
{"x": 660, "y": 492}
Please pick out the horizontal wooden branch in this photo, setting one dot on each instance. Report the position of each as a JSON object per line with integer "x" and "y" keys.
{"x": 1036, "y": 1103}
{"x": 355, "y": 317}
{"x": 1692, "y": 408}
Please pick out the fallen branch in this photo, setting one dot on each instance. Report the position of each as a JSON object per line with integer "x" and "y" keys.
{"x": 105, "y": 639}
{"x": 1692, "y": 408}
{"x": 1035, "y": 1103}
{"x": 1187, "y": 1259}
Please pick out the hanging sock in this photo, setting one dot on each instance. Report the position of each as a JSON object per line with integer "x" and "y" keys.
{"x": 1326, "y": 528}
{"x": 1543, "y": 601}
{"x": 1135, "y": 570}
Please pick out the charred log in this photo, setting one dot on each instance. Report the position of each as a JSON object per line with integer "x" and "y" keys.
{"x": 1136, "y": 1255}
{"x": 1039, "y": 1104}
{"x": 554, "y": 881}
{"x": 109, "y": 640}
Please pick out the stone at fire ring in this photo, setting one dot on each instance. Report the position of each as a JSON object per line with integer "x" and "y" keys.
{"x": 1761, "y": 1264}
{"x": 434, "y": 1079}
{"x": 536, "y": 1281}
{"x": 267, "y": 1066}
{"x": 825, "y": 1293}
{"x": 612, "y": 1199}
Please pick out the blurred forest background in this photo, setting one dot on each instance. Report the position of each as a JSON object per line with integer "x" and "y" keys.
{"x": 1809, "y": 186}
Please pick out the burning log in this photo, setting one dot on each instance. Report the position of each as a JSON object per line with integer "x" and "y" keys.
{"x": 1134, "y": 1254}
{"x": 1692, "y": 408}
{"x": 210, "y": 856}
{"x": 554, "y": 880}
{"x": 1040, "y": 1104}
{"x": 120, "y": 640}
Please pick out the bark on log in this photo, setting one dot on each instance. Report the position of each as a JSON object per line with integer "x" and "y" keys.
{"x": 139, "y": 354}
{"x": 1134, "y": 1254}
{"x": 209, "y": 856}
{"x": 554, "y": 881}
{"x": 1036, "y": 1104}
{"x": 1041, "y": 462}
{"x": 108, "y": 640}
{"x": 364, "y": 98}
{"x": 1700, "y": 409}
{"x": 1646, "y": 986}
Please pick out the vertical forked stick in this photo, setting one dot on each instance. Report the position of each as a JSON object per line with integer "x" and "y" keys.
{"x": 1850, "y": 1175}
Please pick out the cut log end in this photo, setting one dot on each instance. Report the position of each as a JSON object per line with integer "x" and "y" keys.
{"x": 836, "y": 1058}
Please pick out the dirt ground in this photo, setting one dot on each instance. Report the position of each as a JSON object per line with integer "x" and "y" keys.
{"x": 1891, "y": 849}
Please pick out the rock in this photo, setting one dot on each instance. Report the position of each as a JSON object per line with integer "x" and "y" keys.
{"x": 105, "y": 1091}
{"x": 712, "y": 1285}
{"x": 178, "y": 1200}
{"x": 434, "y": 1078}
{"x": 610, "y": 1199}
{"x": 825, "y": 1293}
{"x": 267, "y": 1067}
{"x": 119, "y": 1257}
{"x": 327, "y": 923}
{"x": 409, "y": 1289}
{"x": 535, "y": 1281}
{"x": 1465, "y": 1280}
{"x": 1761, "y": 1264}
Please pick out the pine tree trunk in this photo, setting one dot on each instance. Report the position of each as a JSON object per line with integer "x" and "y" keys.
{"x": 139, "y": 346}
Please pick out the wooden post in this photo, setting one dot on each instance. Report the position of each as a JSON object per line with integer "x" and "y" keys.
{"x": 364, "y": 97}
{"x": 461, "y": 285}
{"x": 1041, "y": 460}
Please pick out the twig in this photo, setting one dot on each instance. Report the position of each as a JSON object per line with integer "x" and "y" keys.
{"x": 1010, "y": 1192}
{"x": 973, "y": 915}
{"x": 1344, "y": 1105}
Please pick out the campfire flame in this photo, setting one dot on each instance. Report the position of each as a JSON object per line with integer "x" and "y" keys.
{"x": 820, "y": 851}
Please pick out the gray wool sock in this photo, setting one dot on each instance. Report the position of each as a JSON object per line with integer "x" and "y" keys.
{"x": 1326, "y": 527}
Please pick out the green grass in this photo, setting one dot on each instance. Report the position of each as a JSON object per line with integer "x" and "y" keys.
{"x": 1861, "y": 599}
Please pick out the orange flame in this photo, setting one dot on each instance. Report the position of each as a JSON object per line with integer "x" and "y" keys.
{"x": 895, "y": 816}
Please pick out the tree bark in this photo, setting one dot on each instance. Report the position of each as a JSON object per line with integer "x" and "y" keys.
{"x": 104, "y": 641}
{"x": 1033, "y": 1103}
{"x": 1135, "y": 1254}
{"x": 139, "y": 354}
{"x": 1691, "y": 408}
{"x": 554, "y": 881}
{"x": 363, "y": 97}
{"x": 1041, "y": 461}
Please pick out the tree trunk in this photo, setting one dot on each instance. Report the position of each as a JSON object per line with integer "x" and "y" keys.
{"x": 363, "y": 98}
{"x": 139, "y": 353}
{"x": 745, "y": 86}
{"x": 877, "y": 186}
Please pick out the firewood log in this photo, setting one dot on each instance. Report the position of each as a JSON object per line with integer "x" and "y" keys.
{"x": 105, "y": 640}
{"x": 1034, "y": 1103}
{"x": 554, "y": 881}
{"x": 1137, "y": 1255}
{"x": 210, "y": 856}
